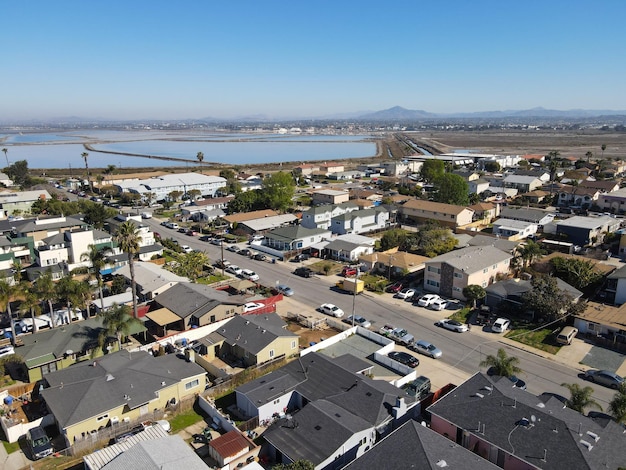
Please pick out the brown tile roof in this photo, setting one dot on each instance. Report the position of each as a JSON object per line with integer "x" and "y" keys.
{"x": 605, "y": 315}
{"x": 482, "y": 206}
{"x": 230, "y": 444}
{"x": 601, "y": 185}
{"x": 362, "y": 202}
{"x": 244, "y": 216}
{"x": 434, "y": 206}
{"x": 533, "y": 157}
{"x": 398, "y": 259}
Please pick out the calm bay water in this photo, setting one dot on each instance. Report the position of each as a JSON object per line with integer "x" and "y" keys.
{"x": 63, "y": 150}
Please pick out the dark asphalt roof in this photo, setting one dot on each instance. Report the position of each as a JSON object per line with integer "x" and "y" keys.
{"x": 185, "y": 299}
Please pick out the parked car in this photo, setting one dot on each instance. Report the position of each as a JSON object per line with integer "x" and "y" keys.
{"x": 216, "y": 241}
{"x": 245, "y": 252}
{"x": 300, "y": 257}
{"x": 452, "y": 325}
{"x": 186, "y": 248}
{"x": 233, "y": 248}
{"x": 285, "y": 290}
{"x": 303, "y": 272}
{"x": 332, "y": 310}
{"x": 604, "y": 377}
{"x": 182, "y": 230}
{"x": 6, "y": 350}
{"x": 420, "y": 387}
{"x": 406, "y": 293}
{"x": 386, "y": 329}
{"x": 260, "y": 257}
{"x": 222, "y": 263}
{"x": 250, "y": 306}
{"x": 191, "y": 233}
{"x": 39, "y": 443}
{"x": 395, "y": 287}
{"x": 401, "y": 336}
{"x": 249, "y": 275}
{"x": 146, "y": 215}
{"x": 404, "y": 358}
{"x": 349, "y": 271}
{"x": 234, "y": 269}
{"x": 427, "y": 299}
{"x": 500, "y": 325}
{"x": 357, "y": 320}
{"x": 438, "y": 304}
{"x": 426, "y": 348}
{"x": 517, "y": 382}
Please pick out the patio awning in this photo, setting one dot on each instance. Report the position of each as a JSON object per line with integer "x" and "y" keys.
{"x": 163, "y": 316}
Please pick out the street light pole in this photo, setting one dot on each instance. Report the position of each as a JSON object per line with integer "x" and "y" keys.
{"x": 356, "y": 280}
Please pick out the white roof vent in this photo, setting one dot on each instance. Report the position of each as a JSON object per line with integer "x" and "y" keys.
{"x": 442, "y": 464}
{"x": 109, "y": 377}
{"x": 479, "y": 395}
{"x": 586, "y": 444}
{"x": 593, "y": 436}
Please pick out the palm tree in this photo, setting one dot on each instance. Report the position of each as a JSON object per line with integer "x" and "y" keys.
{"x": 502, "y": 364}
{"x": 580, "y": 398}
{"x": 617, "y": 405}
{"x": 589, "y": 155}
{"x": 603, "y": 147}
{"x": 117, "y": 321}
{"x": 69, "y": 291}
{"x": 200, "y": 157}
{"x": 5, "y": 155}
{"x": 6, "y": 292}
{"x": 30, "y": 304}
{"x": 98, "y": 259}
{"x": 85, "y": 155}
{"x": 127, "y": 237}
{"x": 529, "y": 252}
{"x": 46, "y": 290}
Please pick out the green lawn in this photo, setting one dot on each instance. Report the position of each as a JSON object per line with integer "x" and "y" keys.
{"x": 182, "y": 420}
{"x": 540, "y": 339}
{"x": 11, "y": 447}
{"x": 461, "y": 315}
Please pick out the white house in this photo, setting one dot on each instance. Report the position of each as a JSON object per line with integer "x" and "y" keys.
{"x": 514, "y": 229}
{"x": 361, "y": 221}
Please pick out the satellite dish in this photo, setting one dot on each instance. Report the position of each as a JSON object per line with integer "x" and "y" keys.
{"x": 533, "y": 418}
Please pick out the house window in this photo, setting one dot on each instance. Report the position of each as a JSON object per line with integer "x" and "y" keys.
{"x": 433, "y": 269}
{"x": 293, "y": 344}
{"x": 271, "y": 353}
{"x": 484, "y": 284}
{"x": 485, "y": 270}
{"x": 494, "y": 266}
{"x": 457, "y": 289}
{"x": 458, "y": 275}
{"x": 591, "y": 326}
{"x": 192, "y": 384}
{"x": 212, "y": 319}
{"x": 100, "y": 418}
{"x": 430, "y": 282}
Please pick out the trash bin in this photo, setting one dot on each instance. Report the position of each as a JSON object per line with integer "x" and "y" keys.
{"x": 273, "y": 260}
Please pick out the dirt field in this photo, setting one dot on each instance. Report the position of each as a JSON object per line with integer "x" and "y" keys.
{"x": 307, "y": 335}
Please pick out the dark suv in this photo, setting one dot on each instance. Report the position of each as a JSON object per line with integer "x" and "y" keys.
{"x": 303, "y": 272}
{"x": 301, "y": 257}
{"x": 404, "y": 358}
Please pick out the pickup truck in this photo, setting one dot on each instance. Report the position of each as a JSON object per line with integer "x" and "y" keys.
{"x": 399, "y": 335}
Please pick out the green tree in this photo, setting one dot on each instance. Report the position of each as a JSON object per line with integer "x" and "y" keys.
{"x": 554, "y": 163}
{"x": 127, "y": 238}
{"x": 97, "y": 258}
{"x": 529, "y": 252}
{"x": 246, "y": 201}
{"x": 393, "y": 238}
{"x": 432, "y": 170}
{"x": 430, "y": 240}
{"x": 6, "y": 156}
{"x": 7, "y": 291}
{"x": 174, "y": 195}
{"x": 492, "y": 167}
{"x": 603, "y": 147}
{"x": 191, "y": 265}
{"x": 109, "y": 170}
{"x": 474, "y": 198}
{"x": 617, "y": 405}
{"x": 30, "y": 304}
{"x": 580, "y": 398}
{"x": 46, "y": 291}
{"x": 579, "y": 273}
{"x": 278, "y": 191}
{"x": 96, "y": 214}
{"x": 548, "y": 301}
{"x": 70, "y": 291}
{"x": 194, "y": 194}
{"x": 474, "y": 292}
{"x": 200, "y": 157}
{"x": 85, "y": 155}
{"x": 118, "y": 285}
{"x": 452, "y": 189}
{"x": 117, "y": 322}
{"x": 18, "y": 173}
{"x": 589, "y": 156}
{"x": 502, "y": 364}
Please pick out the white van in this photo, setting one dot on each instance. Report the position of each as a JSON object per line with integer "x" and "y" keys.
{"x": 566, "y": 335}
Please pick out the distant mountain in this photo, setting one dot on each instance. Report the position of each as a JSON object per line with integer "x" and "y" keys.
{"x": 397, "y": 113}
{"x": 400, "y": 113}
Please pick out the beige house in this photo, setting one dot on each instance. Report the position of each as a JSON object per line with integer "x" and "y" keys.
{"x": 306, "y": 170}
{"x": 118, "y": 387}
{"x": 21, "y": 202}
{"x": 254, "y": 339}
{"x": 449, "y": 273}
{"x": 392, "y": 263}
{"x": 446, "y": 214}
{"x": 330, "y": 196}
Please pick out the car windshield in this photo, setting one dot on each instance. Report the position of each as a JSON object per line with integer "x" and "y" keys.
{"x": 42, "y": 441}
{"x": 430, "y": 347}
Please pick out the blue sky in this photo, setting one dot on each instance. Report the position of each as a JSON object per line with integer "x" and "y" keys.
{"x": 173, "y": 60}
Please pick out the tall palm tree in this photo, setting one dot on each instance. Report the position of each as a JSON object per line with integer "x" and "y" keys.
{"x": 580, "y": 398}
{"x": 98, "y": 259}
{"x": 6, "y": 293}
{"x": 589, "y": 156}
{"x": 127, "y": 237}
{"x": 200, "y": 157}
{"x": 85, "y": 155}
{"x": 603, "y": 147}
{"x": 46, "y": 291}
{"x": 502, "y": 364}
{"x": 529, "y": 252}
{"x": 617, "y": 405}
{"x": 68, "y": 291}
{"x": 5, "y": 155}
{"x": 116, "y": 321}
{"x": 30, "y": 304}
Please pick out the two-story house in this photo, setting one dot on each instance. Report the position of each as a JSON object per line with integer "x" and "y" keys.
{"x": 361, "y": 221}
{"x": 320, "y": 216}
{"x": 449, "y": 215}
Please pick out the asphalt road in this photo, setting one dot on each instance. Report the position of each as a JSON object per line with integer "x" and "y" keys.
{"x": 463, "y": 351}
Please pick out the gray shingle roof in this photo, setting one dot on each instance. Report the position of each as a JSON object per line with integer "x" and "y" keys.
{"x": 556, "y": 432}
{"x": 185, "y": 299}
{"x": 123, "y": 378}
{"x": 472, "y": 258}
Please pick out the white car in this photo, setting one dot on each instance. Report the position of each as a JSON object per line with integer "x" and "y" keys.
{"x": 250, "y": 306}
{"x": 500, "y": 325}
{"x": 332, "y": 310}
{"x": 438, "y": 304}
{"x": 452, "y": 325}
{"x": 249, "y": 275}
{"x": 406, "y": 294}
{"x": 186, "y": 248}
{"x": 234, "y": 269}
{"x": 427, "y": 299}
{"x": 6, "y": 350}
